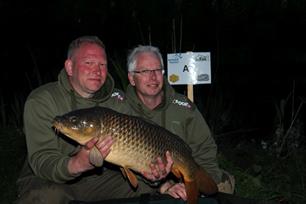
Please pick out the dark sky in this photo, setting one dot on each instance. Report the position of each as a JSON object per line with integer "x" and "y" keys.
{"x": 257, "y": 46}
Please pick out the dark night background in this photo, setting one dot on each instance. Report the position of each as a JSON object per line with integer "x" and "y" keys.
{"x": 257, "y": 46}
{"x": 258, "y": 50}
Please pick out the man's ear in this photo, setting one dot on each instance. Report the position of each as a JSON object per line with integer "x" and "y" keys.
{"x": 131, "y": 78}
{"x": 68, "y": 67}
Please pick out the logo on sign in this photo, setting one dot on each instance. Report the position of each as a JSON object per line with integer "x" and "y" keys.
{"x": 203, "y": 77}
{"x": 202, "y": 58}
{"x": 176, "y": 58}
{"x": 174, "y": 78}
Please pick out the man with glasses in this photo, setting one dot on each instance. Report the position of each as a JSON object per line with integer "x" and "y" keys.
{"x": 150, "y": 96}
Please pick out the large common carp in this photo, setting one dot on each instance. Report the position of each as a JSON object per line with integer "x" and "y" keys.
{"x": 136, "y": 144}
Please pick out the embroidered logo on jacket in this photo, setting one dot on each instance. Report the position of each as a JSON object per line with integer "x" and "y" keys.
{"x": 181, "y": 103}
{"x": 117, "y": 95}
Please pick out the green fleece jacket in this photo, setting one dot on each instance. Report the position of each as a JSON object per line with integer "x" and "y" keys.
{"x": 180, "y": 116}
{"x": 48, "y": 153}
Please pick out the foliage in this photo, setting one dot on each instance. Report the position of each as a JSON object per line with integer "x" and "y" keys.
{"x": 266, "y": 177}
{"x": 289, "y": 126}
{"x": 12, "y": 155}
{"x": 120, "y": 72}
{"x": 219, "y": 110}
{"x": 11, "y": 111}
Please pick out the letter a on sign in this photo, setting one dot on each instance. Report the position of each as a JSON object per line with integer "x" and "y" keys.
{"x": 185, "y": 69}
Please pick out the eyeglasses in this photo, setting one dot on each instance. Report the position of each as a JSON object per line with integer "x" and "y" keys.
{"x": 147, "y": 72}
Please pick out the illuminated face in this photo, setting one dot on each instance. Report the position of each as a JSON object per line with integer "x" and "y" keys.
{"x": 148, "y": 75}
{"x": 87, "y": 69}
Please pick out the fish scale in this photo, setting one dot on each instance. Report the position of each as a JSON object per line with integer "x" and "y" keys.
{"x": 133, "y": 139}
{"x": 137, "y": 143}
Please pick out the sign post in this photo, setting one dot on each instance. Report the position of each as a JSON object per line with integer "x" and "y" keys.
{"x": 190, "y": 92}
{"x": 189, "y": 68}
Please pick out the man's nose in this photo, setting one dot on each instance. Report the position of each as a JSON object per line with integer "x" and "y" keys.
{"x": 153, "y": 74}
{"x": 97, "y": 69}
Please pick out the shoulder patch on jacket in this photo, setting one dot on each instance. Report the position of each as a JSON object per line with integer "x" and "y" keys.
{"x": 182, "y": 103}
{"x": 117, "y": 94}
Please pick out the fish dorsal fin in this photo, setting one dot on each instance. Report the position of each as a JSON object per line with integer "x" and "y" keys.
{"x": 131, "y": 176}
{"x": 95, "y": 157}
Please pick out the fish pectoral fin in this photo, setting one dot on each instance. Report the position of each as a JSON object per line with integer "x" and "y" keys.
{"x": 176, "y": 172}
{"x": 95, "y": 157}
{"x": 131, "y": 176}
{"x": 123, "y": 172}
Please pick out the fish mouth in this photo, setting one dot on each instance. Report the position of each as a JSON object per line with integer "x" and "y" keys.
{"x": 59, "y": 129}
{"x": 57, "y": 125}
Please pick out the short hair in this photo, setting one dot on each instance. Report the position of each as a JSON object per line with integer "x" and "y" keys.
{"x": 132, "y": 56}
{"x": 77, "y": 43}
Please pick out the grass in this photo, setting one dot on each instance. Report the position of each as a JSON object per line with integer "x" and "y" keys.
{"x": 261, "y": 175}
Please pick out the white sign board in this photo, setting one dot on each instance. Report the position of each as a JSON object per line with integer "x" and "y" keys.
{"x": 189, "y": 68}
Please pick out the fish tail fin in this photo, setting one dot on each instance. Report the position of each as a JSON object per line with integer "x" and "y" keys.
{"x": 192, "y": 188}
{"x": 205, "y": 183}
{"x": 192, "y": 191}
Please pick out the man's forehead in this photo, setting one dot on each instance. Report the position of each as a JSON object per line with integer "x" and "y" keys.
{"x": 91, "y": 50}
{"x": 148, "y": 58}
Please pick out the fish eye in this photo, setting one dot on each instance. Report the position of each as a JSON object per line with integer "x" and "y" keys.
{"x": 84, "y": 123}
{"x": 87, "y": 124}
{"x": 73, "y": 119}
